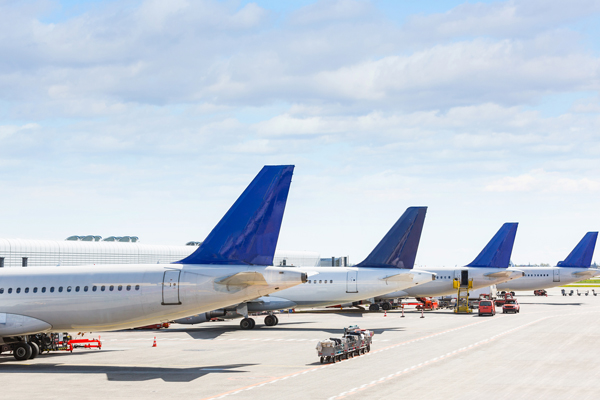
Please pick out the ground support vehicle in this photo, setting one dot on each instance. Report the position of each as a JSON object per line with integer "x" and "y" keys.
{"x": 355, "y": 342}
{"x": 427, "y": 304}
{"x": 29, "y": 347}
{"x": 541, "y": 292}
{"x": 487, "y": 307}
{"x": 511, "y": 306}
{"x": 155, "y": 326}
{"x": 504, "y": 297}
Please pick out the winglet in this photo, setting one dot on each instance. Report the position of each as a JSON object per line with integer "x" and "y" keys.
{"x": 249, "y": 231}
{"x": 398, "y": 248}
{"x": 581, "y": 256}
{"x": 496, "y": 254}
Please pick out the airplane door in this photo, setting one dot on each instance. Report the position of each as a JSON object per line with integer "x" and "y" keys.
{"x": 556, "y": 275}
{"x": 464, "y": 277}
{"x": 171, "y": 288}
{"x": 351, "y": 282}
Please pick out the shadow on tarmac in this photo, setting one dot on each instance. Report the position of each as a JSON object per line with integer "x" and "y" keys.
{"x": 125, "y": 374}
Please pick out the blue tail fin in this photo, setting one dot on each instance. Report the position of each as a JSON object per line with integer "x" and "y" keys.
{"x": 581, "y": 256}
{"x": 398, "y": 248}
{"x": 496, "y": 254}
{"x": 248, "y": 233}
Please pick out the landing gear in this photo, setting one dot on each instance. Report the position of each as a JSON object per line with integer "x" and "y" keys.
{"x": 374, "y": 307}
{"x": 271, "y": 320}
{"x": 247, "y": 323}
{"x": 386, "y": 306}
{"x": 22, "y": 351}
{"x": 35, "y": 350}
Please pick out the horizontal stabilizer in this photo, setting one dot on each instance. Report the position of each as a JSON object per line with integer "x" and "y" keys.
{"x": 246, "y": 278}
{"x": 248, "y": 233}
{"x": 496, "y": 254}
{"x": 399, "y": 278}
{"x": 398, "y": 248}
{"x": 581, "y": 256}
{"x": 499, "y": 274}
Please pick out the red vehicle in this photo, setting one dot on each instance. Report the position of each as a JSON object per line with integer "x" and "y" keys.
{"x": 540, "y": 292}
{"x": 511, "y": 305}
{"x": 487, "y": 307}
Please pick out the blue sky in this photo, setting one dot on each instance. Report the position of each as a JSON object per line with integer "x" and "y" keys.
{"x": 148, "y": 118}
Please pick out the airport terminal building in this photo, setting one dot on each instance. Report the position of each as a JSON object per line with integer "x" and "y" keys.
{"x": 119, "y": 250}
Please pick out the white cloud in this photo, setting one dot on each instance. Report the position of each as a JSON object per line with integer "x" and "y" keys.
{"x": 544, "y": 182}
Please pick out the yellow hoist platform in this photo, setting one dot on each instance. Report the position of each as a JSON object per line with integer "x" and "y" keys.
{"x": 462, "y": 300}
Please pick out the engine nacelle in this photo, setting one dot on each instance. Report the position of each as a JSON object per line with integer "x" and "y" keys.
{"x": 16, "y": 325}
{"x": 199, "y": 318}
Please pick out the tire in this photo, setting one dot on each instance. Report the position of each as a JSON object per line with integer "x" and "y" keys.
{"x": 386, "y": 306}
{"x": 270, "y": 320}
{"x": 22, "y": 351}
{"x": 246, "y": 323}
{"x": 35, "y": 350}
{"x": 276, "y": 319}
{"x": 322, "y": 360}
{"x": 368, "y": 349}
{"x": 374, "y": 307}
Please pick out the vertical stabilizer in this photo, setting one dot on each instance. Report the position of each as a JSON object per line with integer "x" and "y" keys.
{"x": 581, "y": 256}
{"x": 248, "y": 233}
{"x": 496, "y": 254}
{"x": 399, "y": 246}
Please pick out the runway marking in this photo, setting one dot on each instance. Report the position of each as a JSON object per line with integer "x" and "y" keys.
{"x": 313, "y": 369}
{"x": 443, "y": 357}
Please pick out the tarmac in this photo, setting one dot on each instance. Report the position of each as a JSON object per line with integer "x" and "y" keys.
{"x": 549, "y": 350}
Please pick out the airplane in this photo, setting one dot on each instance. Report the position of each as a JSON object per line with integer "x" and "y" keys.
{"x": 490, "y": 267}
{"x": 573, "y": 269}
{"x": 387, "y": 267}
{"x": 232, "y": 265}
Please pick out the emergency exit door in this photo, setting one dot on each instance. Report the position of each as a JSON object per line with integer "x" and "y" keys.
{"x": 351, "y": 282}
{"x": 170, "y": 290}
{"x": 556, "y": 275}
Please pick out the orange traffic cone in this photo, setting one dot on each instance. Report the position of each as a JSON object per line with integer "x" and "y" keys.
{"x": 384, "y": 313}
{"x": 154, "y": 344}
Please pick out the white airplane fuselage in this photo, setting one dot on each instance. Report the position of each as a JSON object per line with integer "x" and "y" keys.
{"x": 443, "y": 284}
{"x": 328, "y": 286}
{"x": 548, "y": 277}
{"x": 110, "y": 297}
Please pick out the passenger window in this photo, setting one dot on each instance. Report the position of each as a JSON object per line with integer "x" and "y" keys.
{"x": 9, "y": 290}
{"x": 320, "y": 281}
{"x": 18, "y": 290}
{"x": 1, "y": 290}
{"x": 103, "y": 288}
{"x": 310, "y": 281}
{"x": 137, "y": 287}
{"x": 85, "y": 288}
{"x": 112, "y": 288}
{"x": 94, "y": 288}
{"x": 26, "y": 290}
{"x": 331, "y": 281}
{"x": 60, "y": 289}
{"x": 120, "y": 288}
{"x": 34, "y": 290}
{"x": 44, "y": 289}
{"x": 128, "y": 287}
{"x": 68, "y": 288}
{"x": 77, "y": 289}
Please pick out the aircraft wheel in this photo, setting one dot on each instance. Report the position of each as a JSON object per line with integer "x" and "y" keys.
{"x": 386, "y": 306}
{"x": 276, "y": 319}
{"x": 270, "y": 320}
{"x": 22, "y": 351}
{"x": 246, "y": 323}
{"x": 252, "y": 322}
{"x": 35, "y": 350}
{"x": 374, "y": 307}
